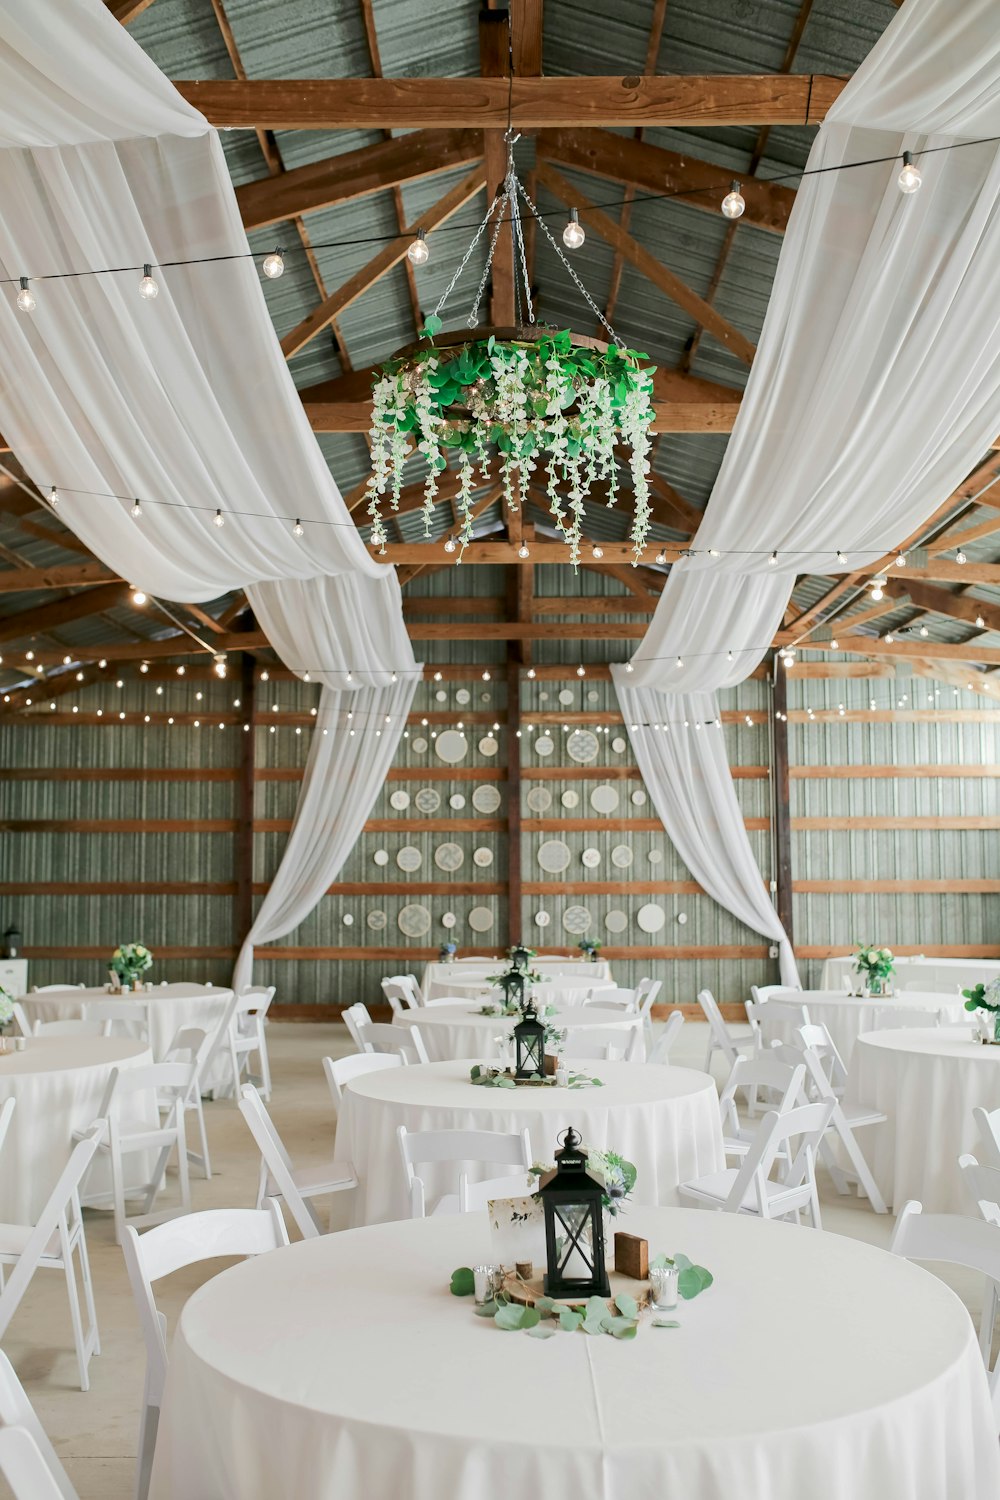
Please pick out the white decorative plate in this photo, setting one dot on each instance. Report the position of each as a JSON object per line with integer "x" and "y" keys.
{"x": 409, "y": 858}
{"x": 486, "y": 799}
{"x": 543, "y": 697}
{"x": 655, "y": 856}
{"x": 463, "y": 696}
{"x": 621, "y": 856}
{"x": 448, "y": 856}
{"x": 570, "y": 798}
{"x": 414, "y": 921}
{"x": 591, "y": 858}
{"x": 456, "y": 801}
{"x": 593, "y": 697}
{"x": 427, "y": 800}
{"x": 482, "y": 857}
{"x": 441, "y": 696}
{"x": 616, "y": 921}
{"x": 582, "y": 745}
{"x": 639, "y": 797}
{"x": 449, "y": 919}
{"x": 451, "y": 746}
{"x": 488, "y": 745}
{"x": 565, "y": 697}
{"x": 480, "y": 919}
{"x": 381, "y": 856}
{"x": 604, "y": 799}
{"x": 347, "y": 919}
{"x": 420, "y": 744}
{"x": 651, "y": 917}
{"x": 682, "y": 917}
{"x": 618, "y": 744}
{"x": 542, "y": 919}
{"x": 544, "y": 745}
{"x": 576, "y": 919}
{"x": 554, "y": 856}
{"x": 539, "y": 799}
{"x": 399, "y": 800}
{"x": 376, "y": 920}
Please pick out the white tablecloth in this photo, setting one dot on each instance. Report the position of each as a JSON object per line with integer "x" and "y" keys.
{"x": 460, "y": 1031}
{"x": 919, "y": 973}
{"x": 665, "y": 1120}
{"x": 440, "y": 979}
{"x": 59, "y": 1083}
{"x": 340, "y": 1368}
{"x": 847, "y": 1017}
{"x": 928, "y": 1083}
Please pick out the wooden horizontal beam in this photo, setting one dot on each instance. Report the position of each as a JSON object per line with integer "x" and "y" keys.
{"x": 955, "y": 606}
{"x": 536, "y": 103}
{"x": 355, "y": 174}
{"x": 29, "y": 623}
{"x": 171, "y": 645}
{"x": 506, "y": 552}
{"x": 927, "y": 650}
{"x": 890, "y": 823}
{"x": 952, "y": 886}
{"x": 520, "y": 630}
{"x": 948, "y": 572}
{"x": 652, "y": 169}
{"x": 68, "y": 576}
{"x": 892, "y": 772}
{"x": 901, "y": 950}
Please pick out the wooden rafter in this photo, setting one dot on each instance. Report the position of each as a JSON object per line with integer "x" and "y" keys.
{"x": 30, "y": 623}
{"x": 73, "y": 575}
{"x": 127, "y": 10}
{"x": 955, "y": 606}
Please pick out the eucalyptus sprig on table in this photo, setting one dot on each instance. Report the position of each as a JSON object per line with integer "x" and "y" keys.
{"x": 493, "y": 1078}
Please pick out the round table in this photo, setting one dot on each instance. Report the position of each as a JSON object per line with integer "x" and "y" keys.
{"x": 665, "y": 1120}
{"x": 922, "y": 973}
{"x": 439, "y": 979}
{"x": 460, "y": 1031}
{"x": 927, "y": 1083}
{"x": 846, "y": 1017}
{"x": 568, "y": 990}
{"x": 815, "y": 1366}
{"x": 59, "y": 1084}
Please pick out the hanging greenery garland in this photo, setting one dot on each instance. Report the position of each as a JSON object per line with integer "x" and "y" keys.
{"x": 537, "y": 399}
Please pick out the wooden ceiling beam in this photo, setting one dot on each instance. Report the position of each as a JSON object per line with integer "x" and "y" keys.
{"x": 31, "y": 623}
{"x": 644, "y": 261}
{"x": 171, "y": 645}
{"x": 652, "y": 169}
{"x": 928, "y": 650}
{"x": 127, "y": 10}
{"x": 494, "y": 36}
{"x": 955, "y": 606}
{"x": 502, "y": 553}
{"x": 72, "y": 575}
{"x": 526, "y": 630}
{"x": 678, "y": 101}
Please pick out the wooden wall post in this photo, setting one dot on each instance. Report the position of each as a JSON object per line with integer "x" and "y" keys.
{"x": 780, "y": 794}
{"x": 513, "y": 794}
{"x": 243, "y": 838}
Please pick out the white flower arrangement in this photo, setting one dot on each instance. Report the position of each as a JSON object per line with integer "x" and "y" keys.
{"x": 6, "y": 1008}
{"x": 130, "y": 960}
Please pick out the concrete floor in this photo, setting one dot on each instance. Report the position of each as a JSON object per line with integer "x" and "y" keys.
{"x": 96, "y": 1433}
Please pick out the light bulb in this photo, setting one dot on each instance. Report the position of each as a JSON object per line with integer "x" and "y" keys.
{"x": 450, "y": 544}
{"x": 298, "y": 529}
{"x": 924, "y": 630}
{"x": 25, "y": 297}
{"x": 531, "y": 673}
{"x": 53, "y": 497}
{"x": 877, "y": 594}
{"x": 840, "y": 556}
{"x": 144, "y": 666}
{"x": 714, "y": 552}
{"x": 350, "y": 676}
{"x": 629, "y": 667}
{"x": 597, "y": 551}
{"x": 680, "y": 662}
{"x": 219, "y": 518}
{"x": 773, "y": 559}
{"x": 729, "y": 656}
{"x": 136, "y": 510}
{"x": 148, "y": 288}
{"x": 438, "y": 676}
{"x": 220, "y": 665}
{"x": 103, "y": 662}
{"x": 900, "y": 559}
{"x": 486, "y": 676}
{"x": 265, "y": 675}
{"x": 306, "y": 677}
{"x": 29, "y": 655}
{"x": 573, "y": 235}
{"x": 833, "y": 644}
{"x": 890, "y": 638}
{"x": 909, "y": 178}
{"x": 734, "y": 203}
{"x": 960, "y": 557}
{"x": 393, "y": 678}
{"x": 138, "y": 597}
{"x": 980, "y": 622}
{"x": 522, "y": 551}
{"x": 181, "y": 670}
{"x": 581, "y": 670}
{"x": 418, "y": 252}
{"x": 273, "y": 265}
{"x": 661, "y": 558}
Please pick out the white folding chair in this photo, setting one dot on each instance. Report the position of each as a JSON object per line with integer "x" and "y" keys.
{"x": 77, "y": 1027}
{"x": 600, "y": 1043}
{"x": 719, "y": 1037}
{"x": 339, "y": 1071}
{"x": 762, "y": 993}
{"x": 821, "y": 1064}
{"x": 246, "y": 1036}
{"x": 192, "y": 1044}
{"x": 982, "y": 1185}
{"x": 957, "y": 1241}
{"x": 158, "y": 1253}
{"x": 45, "y": 989}
{"x": 171, "y": 1082}
{"x": 748, "y": 1189}
{"x": 18, "y": 1463}
{"x": 280, "y": 1179}
{"x": 130, "y": 1017}
{"x": 660, "y": 1051}
{"x": 896, "y": 1017}
{"x": 784, "y": 1082}
{"x": 614, "y": 999}
{"x": 386, "y": 1036}
{"x": 988, "y": 1125}
{"x": 463, "y": 1149}
{"x": 402, "y": 992}
{"x": 21, "y": 1017}
{"x": 354, "y": 1017}
{"x": 770, "y": 1020}
{"x": 49, "y": 1245}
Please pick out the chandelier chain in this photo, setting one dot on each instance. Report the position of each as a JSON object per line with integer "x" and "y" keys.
{"x": 576, "y": 279}
{"x": 468, "y": 254}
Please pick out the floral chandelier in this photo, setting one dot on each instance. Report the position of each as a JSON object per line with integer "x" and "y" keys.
{"x": 534, "y": 398}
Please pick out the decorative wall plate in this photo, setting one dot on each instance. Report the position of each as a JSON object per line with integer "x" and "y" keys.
{"x": 348, "y": 919}
{"x": 480, "y": 919}
{"x": 542, "y": 919}
{"x": 488, "y": 745}
{"x": 414, "y": 921}
{"x": 621, "y": 856}
{"x": 656, "y": 856}
{"x": 582, "y": 746}
{"x": 638, "y": 797}
{"x": 482, "y": 857}
{"x": 539, "y": 799}
{"x": 381, "y": 856}
{"x": 486, "y": 799}
{"x": 441, "y": 696}
{"x": 456, "y": 801}
{"x": 651, "y": 917}
{"x": 566, "y": 697}
{"x": 591, "y": 858}
{"x": 419, "y": 744}
{"x": 448, "y": 856}
{"x": 463, "y": 696}
{"x": 409, "y": 858}
{"x": 570, "y": 798}
{"x": 427, "y": 799}
{"x": 616, "y": 921}
{"x": 593, "y": 697}
{"x": 376, "y": 920}
{"x": 682, "y": 917}
{"x": 544, "y": 745}
{"x": 618, "y": 744}
{"x": 604, "y": 799}
{"x": 399, "y": 800}
{"x": 451, "y": 746}
{"x": 448, "y": 920}
{"x": 554, "y": 856}
{"x": 543, "y": 697}
{"x": 577, "y": 920}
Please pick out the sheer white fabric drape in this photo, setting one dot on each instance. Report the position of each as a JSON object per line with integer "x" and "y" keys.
{"x": 343, "y": 777}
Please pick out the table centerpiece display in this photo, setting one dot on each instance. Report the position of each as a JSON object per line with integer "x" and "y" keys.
{"x": 128, "y": 961}
{"x": 984, "y": 1001}
{"x": 875, "y": 965}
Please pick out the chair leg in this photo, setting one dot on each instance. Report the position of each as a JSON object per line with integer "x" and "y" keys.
{"x": 82, "y": 1356}
{"x": 205, "y": 1161}
{"x": 117, "y": 1188}
{"x": 262, "y": 1184}
{"x": 88, "y": 1285}
{"x": 265, "y": 1064}
{"x": 236, "y": 1067}
{"x": 148, "y": 1424}
{"x": 183, "y": 1174}
{"x": 857, "y": 1159}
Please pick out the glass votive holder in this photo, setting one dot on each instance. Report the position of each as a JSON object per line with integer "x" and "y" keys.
{"x": 482, "y": 1277}
{"x": 562, "y": 1076}
{"x": 663, "y": 1287}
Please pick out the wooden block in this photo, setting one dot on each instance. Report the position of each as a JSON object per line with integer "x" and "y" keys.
{"x": 632, "y": 1256}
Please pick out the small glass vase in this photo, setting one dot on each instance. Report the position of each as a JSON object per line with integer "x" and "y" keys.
{"x": 988, "y": 1022}
{"x": 877, "y": 988}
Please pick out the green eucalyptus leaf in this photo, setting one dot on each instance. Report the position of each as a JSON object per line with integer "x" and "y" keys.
{"x": 432, "y": 325}
{"x": 530, "y": 1317}
{"x": 627, "y": 1305}
{"x": 487, "y": 1309}
{"x": 682, "y": 1262}
{"x": 509, "y": 1317}
{"x": 570, "y": 1319}
{"x": 692, "y": 1281}
{"x": 545, "y": 1306}
{"x": 541, "y": 1333}
{"x": 660, "y": 1262}
{"x": 622, "y": 1328}
{"x": 463, "y": 1283}
{"x": 664, "y": 1323}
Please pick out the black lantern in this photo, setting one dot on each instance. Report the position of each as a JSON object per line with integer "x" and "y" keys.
{"x": 512, "y": 984}
{"x": 520, "y": 956}
{"x": 573, "y": 1201}
{"x": 12, "y": 942}
{"x": 529, "y": 1041}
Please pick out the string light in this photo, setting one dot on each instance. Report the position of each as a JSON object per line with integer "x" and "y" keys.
{"x": 522, "y": 551}
{"x": 597, "y": 552}
{"x": 924, "y": 630}
{"x": 573, "y": 235}
{"x": 486, "y": 676}
{"x": 679, "y": 663}
{"x": 136, "y": 510}
{"x": 144, "y": 667}
{"x": 910, "y": 177}
{"x": 273, "y": 265}
{"x": 220, "y": 664}
{"x": 25, "y": 297}
{"x": 581, "y": 670}
{"x": 219, "y": 518}
{"x": 661, "y": 557}
{"x": 841, "y": 558}
{"x": 419, "y": 252}
{"x": 629, "y": 667}
{"x": 148, "y": 288}
{"x": 450, "y": 544}
{"x": 53, "y": 497}
{"x": 878, "y": 588}
{"x": 265, "y": 676}
{"x": 298, "y": 529}
{"x": 138, "y": 597}
{"x": 734, "y": 203}
{"x": 960, "y": 557}
{"x": 532, "y": 674}
{"x": 900, "y": 559}
{"x": 889, "y": 638}
{"x": 773, "y": 559}
{"x": 980, "y": 622}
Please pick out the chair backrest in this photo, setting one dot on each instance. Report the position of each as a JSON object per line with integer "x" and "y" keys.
{"x": 119, "y": 1012}
{"x": 616, "y": 998}
{"x": 982, "y": 1184}
{"x": 896, "y": 1017}
{"x": 646, "y": 992}
{"x": 463, "y": 1148}
{"x": 339, "y": 1071}
{"x": 5, "y": 1117}
{"x": 601, "y": 1043}
{"x": 24, "y": 1026}
{"x": 190, "y": 1044}
{"x": 784, "y": 1079}
{"x": 165, "y": 1077}
{"x": 18, "y": 1415}
{"x": 276, "y": 1159}
{"x": 762, "y": 993}
{"x": 402, "y": 990}
{"x": 386, "y": 1036}
{"x": 720, "y": 1031}
{"x": 354, "y": 1017}
{"x": 77, "y": 1027}
{"x": 988, "y": 1125}
{"x": 257, "y": 1000}
{"x": 950, "y": 1238}
{"x": 182, "y": 1242}
{"x": 660, "y": 1051}
{"x": 806, "y": 1124}
{"x": 763, "y": 1014}
{"x": 817, "y": 1039}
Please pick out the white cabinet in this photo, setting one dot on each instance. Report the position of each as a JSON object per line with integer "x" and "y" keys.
{"x": 14, "y": 975}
